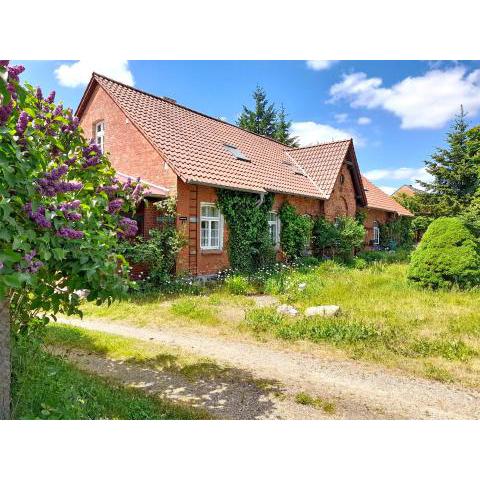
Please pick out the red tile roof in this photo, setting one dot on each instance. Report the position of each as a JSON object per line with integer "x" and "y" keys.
{"x": 322, "y": 162}
{"x": 194, "y": 145}
{"x": 377, "y": 198}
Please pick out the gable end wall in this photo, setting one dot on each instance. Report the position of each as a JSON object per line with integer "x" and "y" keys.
{"x": 130, "y": 152}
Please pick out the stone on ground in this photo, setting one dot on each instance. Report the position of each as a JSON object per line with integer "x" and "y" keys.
{"x": 287, "y": 310}
{"x": 323, "y": 310}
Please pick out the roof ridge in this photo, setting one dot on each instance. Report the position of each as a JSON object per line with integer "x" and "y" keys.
{"x": 186, "y": 108}
{"x": 319, "y": 144}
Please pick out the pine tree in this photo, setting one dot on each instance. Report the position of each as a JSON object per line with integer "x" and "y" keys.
{"x": 282, "y": 129}
{"x": 262, "y": 119}
{"x": 455, "y": 173}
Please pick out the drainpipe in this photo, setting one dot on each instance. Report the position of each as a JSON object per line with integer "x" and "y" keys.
{"x": 261, "y": 199}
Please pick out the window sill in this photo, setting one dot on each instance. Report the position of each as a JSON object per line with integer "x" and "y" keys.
{"x": 211, "y": 252}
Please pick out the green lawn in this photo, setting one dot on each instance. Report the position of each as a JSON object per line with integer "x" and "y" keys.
{"x": 48, "y": 387}
{"x": 385, "y": 319}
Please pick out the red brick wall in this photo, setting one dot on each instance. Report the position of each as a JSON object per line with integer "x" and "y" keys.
{"x": 192, "y": 259}
{"x": 342, "y": 201}
{"x": 130, "y": 152}
{"x": 201, "y": 262}
{"x": 374, "y": 215}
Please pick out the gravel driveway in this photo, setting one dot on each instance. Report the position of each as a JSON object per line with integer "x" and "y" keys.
{"x": 358, "y": 391}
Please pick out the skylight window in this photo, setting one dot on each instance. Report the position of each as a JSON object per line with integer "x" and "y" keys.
{"x": 235, "y": 152}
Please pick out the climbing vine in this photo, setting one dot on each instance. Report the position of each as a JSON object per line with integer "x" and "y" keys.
{"x": 295, "y": 233}
{"x": 397, "y": 233}
{"x": 249, "y": 244}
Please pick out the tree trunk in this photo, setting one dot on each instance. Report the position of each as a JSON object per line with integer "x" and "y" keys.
{"x": 5, "y": 366}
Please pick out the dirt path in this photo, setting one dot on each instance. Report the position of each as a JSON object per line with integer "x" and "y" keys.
{"x": 357, "y": 390}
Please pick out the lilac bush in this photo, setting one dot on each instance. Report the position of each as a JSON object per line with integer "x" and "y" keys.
{"x": 62, "y": 209}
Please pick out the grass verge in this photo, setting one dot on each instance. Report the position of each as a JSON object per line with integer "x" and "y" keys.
{"x": 47, "y": 387}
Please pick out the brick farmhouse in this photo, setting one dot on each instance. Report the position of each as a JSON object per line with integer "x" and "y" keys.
{"x": 180, "y": 152}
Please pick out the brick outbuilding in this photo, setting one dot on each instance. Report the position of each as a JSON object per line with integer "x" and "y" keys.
{"x": 179, "y": 152}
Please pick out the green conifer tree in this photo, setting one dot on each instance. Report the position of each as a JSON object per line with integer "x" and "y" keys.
{"x": 282, "y": 129}
{"x": 454, "y": 172}
{"x": 262, "y": 119}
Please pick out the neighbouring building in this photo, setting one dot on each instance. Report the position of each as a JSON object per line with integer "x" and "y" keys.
{"x": 179, "y": 152}
{"x": 408, "y": 190}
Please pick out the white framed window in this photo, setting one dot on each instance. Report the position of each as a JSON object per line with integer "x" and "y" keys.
{"x": 274, "y": 227}
{"x": 376, "y": 233}
{"x": 211, "y": 229}
{"x": 100, "y": 135}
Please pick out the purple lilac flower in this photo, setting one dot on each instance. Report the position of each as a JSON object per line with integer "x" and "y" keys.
{"x": 38, "y": 216}
{"x": 58, "y": 110}
{"x": 69, "y": 205}
{"x": 5, "y": 112}
{"x": 137, "y": 192}
{"x": 32, "y": 265}
{"x": 90, "y": 162}
{"x": 50, "y": 186}
{"x": 39, "y": 93}
{"x": 1, "y": 263}
{"x": 4, "y": 63}
{"x": 51, "y": 189}
{"x": 72, "y": 216}
{"x": 14, "y": 72}
{"x": 51, "y": 97}
{"x": 67, "y": 232}
{"x": 22, "y": 123}
{"x": 110, "y": 190}
{"x": 92, "y": 148}
{"x": 129, "y": 227}
{"x": 12, "y": 90}
{"x": 115, "y": 205}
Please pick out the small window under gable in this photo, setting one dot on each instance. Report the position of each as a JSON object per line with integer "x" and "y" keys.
{"x": 100, "y": 135}
{"x": 235, "y": 152}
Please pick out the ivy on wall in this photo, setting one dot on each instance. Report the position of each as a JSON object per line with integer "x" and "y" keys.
{"x": 295, "y": 233}
{"x": 249, "y": 244}
{"x": 397, "y": 233}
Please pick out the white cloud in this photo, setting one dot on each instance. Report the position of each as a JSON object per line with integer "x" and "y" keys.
{"x": 364, "y": 120}
{"x": 341, "y": 117}
{"x": 320, "y": 64}
{"x": 79, "y": 73}
{"x": 427, "y": 101}
{"x": 402, "y": 173}
{"x": 388, "y": 190}
{"x": 311, "y": 133}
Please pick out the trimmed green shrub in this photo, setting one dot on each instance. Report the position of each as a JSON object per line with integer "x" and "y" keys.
{"x": 447, "y": 255}
{"x": 295, "y": 233}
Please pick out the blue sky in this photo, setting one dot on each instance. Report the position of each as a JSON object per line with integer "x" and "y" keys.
{"x": 396, "y": 111}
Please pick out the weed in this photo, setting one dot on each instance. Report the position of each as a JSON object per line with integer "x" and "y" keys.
{"x": 304, "y": 398}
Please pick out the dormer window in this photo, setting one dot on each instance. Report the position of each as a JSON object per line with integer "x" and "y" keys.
{"x": 235, "y": 152}
{"x": 100, "y": 135}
